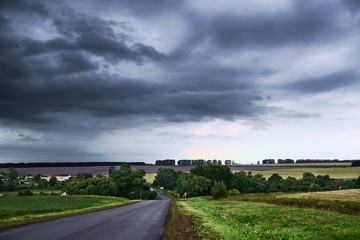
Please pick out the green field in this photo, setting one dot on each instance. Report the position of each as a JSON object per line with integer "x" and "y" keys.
{"x": 249, "y": 218}
{"x": 16, "y": 210}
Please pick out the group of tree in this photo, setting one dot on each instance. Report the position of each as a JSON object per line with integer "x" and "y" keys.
{"x": 356, "y": 163}
{"x": 192, "y": 162}
{"x": 166, "y": 162}
{"x": 122, "y": 183}
{"x": 187, "y": 162}
{"x": 215, "y": 180}
{"x": 288, "y": 160}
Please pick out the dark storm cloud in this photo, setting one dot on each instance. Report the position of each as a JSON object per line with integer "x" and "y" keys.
{"x": 23, "y": 5}
{"x": 325, "y": 83}
{"x": 51, "y": 83}
{"x": 353, "y": 5}
{"x": 308, "y": 23}
{"x": 104, "y": 97}
{"x": 143, "y": 8}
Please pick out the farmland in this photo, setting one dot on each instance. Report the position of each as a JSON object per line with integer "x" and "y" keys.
{"x": 253, "y": 218}
{"x": 297, "y": 172}
{"x": 16, "y": 210}
{"x": 335, "y": 170}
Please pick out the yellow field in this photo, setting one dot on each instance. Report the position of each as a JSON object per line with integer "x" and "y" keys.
{"x": 348, "y": 164}
{"x": 341, "y": 173}
{"x": 348, "y": 195}
{"x": 150, "y": 177}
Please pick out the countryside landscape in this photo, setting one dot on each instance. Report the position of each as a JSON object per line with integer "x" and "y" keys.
{"x": 179, "y": 119}
{"x": 207, "y": 201}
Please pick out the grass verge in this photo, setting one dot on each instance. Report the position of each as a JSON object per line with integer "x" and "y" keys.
{"x": 229, "y": 219}
{"x": 15, "y": 211}
{"x": 180, "y": 225}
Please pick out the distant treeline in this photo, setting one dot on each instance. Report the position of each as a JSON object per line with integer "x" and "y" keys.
{"x": 356, "y": 163}
{"x": 191, "y": 162}
{"x": 281, "y": 161}
{"x": 66, "y": 164}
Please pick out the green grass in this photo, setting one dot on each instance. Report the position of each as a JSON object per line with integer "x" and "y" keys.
{"x": 34, "y": 191}
{"x": 234, "y": 219}
{"x": 16, "y": 210}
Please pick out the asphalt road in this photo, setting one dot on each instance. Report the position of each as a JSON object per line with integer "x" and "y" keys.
{"x": 144, "y": 220}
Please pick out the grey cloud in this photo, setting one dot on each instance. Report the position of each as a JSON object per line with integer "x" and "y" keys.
{"x": 352, "y": 5}
{"x": 307, "y": 24}
{"x": 85, "y": 94}
{"x": 47, "y": 84}
{"x": 56, "y": 85}
{"x": 143, "y": 8}
{"x": 22, "y": 5}
{"x": 27, "y": 138}
{"x": 325, "y": 83}
{"x": 65, "y": 152}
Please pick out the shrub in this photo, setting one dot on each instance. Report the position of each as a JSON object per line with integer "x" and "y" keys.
{"x": 233, "y": 192}
{"x": 314, "y": 188}
{"x": 153, "y": 195}
{"x": 26, "y": 192}
{"x": 219, "y": 190}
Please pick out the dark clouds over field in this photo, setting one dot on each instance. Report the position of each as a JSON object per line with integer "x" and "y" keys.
{"x": 142, "y": 80}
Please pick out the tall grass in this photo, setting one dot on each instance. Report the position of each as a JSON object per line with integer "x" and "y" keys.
{"x": 230, "y": 219}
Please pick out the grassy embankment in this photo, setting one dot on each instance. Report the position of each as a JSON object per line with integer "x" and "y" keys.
{"x": 251, "y": 216}
{"x": 16, "y": 210}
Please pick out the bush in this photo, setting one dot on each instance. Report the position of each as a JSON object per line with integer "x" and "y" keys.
{"x": 219, "y": 190}
{"x": 314, "y": 188}
{"x": 153, "y": 195}
{"x": 26, "y": 192}
{"x": 233, "y": 192}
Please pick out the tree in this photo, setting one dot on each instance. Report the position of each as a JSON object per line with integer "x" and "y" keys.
{"x": 42, "y": 184}
{"x": 305, "y": 182}
{"x": 111, "y": 169}
{"x": 240, "y": 181}
{"x": 37, "y": 178}
{"x": 9, "y": 186}
{"x": 324, "y": 182}
{"x": 356, "y": 163}
{"x": 166, "y": 178}
{"x": 130, "y": 183}
{"x": 219, "y": 190}
{"x": 84, "y": 175}
{"x": 106, "y": 187}
{"x": 214, "y": 173}
{"x": 275, "y": 182}
{"x": 52, "y": 181}
{"x": 248, "y": 183}
{"x": 13, "y": 174}
{"x": 314, "y": 187}
{"x": 193, "y": 185}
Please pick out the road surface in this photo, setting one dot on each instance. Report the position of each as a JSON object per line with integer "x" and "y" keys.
{"x": 144, "y": 220}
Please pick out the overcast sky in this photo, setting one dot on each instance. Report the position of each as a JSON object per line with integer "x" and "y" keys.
{"x": 155, "y": 79}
